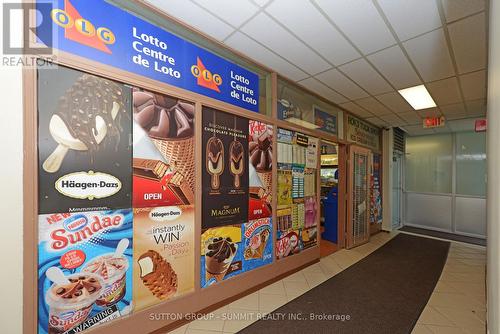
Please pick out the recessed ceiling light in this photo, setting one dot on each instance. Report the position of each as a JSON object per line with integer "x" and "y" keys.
{"x": 418, "y": 97}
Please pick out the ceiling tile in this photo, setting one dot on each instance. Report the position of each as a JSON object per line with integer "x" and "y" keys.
{"x": 361, "y": 72}
{"x": 456, "y": 9}
{"x": 453, "y": 109}
{"x": 195, "y": 16}
{"x": 394, "y": 65}
{"x": 431, "y": 112}
{"x": 394, "y": 101}
{"x": 361, "y": 22}
{"x": 261, "y": 3}
{"x": 430, "y": 55}
{"x": 355, "y": 109}
{"x": 445, "y": 91}
{"x": 254, "y": 50}
{"x": 411, "y": 17}
{"x": 374, "y": 106}
{"x": 455, "y": 117}
{"x": 284, "y": 43}
{"x": 476, "y": 107}
{"x": 411, "y": 117}
{"x": 341, "y": 84}
{"x": 377, "y": 121}
{"x": 393, "y": 120}
{"x": 443, "y": 129}
{"x": 323, "y": 90}
{"x": 467, "y": 124}
{"x": 474, "y": 85}
{"x": 233, "y": 12}
{"x": 417, "y": 130}
{"x": 305, "y": 21}
{"x": 468, "y": 39}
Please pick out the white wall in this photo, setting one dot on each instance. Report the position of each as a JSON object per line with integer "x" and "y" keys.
{"x": 11, "y": 201}
{"x": 493, "y": 192}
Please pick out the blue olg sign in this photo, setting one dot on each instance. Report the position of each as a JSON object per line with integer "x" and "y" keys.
{"x": 96, "y": 30}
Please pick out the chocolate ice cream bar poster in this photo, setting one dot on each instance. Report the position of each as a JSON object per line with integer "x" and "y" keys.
{"x": 84, "y": 142}
{"x": 225, "y": 169}
{"x": 84, "y": 269}
{"x": 228, "y": 251}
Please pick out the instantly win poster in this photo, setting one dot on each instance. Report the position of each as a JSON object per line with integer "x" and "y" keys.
{"x": 163, "y": 254}
{"x": 84, "y": 269}
{"x": 225, "y": 169}
{"x": 84, "y": 134}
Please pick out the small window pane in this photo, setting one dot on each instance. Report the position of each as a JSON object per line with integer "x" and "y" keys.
{"x": 471, "y": 163}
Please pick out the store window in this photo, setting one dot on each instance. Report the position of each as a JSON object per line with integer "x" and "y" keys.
{"x": 299, "y": 107}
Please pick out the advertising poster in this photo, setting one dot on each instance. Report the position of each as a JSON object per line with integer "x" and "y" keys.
{"x": 132, "y": 44}
{"x": 362, "y": 133}
{"x": 84, "y": 129}
{"x": 288, "y": 242}
{"x": 260, "y": 165}
{"x": 325, "y": 121}
{"x": 312, "y": 153}
{"x": 234, "y": 249}
{"x": 225, "y": 169}
{"x": 163, "y": 254}
{"x": 163, "y": 162}
{"x": 309, "y": 237}
{"x": 284, "y": 187}
{"x": 376, "y": 192}
{"x": 84, "y": 269}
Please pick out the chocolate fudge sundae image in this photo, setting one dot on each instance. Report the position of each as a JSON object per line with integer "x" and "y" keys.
{"x": 218, "y": 257}
{"x": 261, "y": 156}
{"x": 113, "y": 271}
{"x": 157, "y": 275}
{"x": 237, "y": 161}
{"x": 169, "y": 122}
{"x": 87, "y": 118}
{"x": 257, "y": 244}
{"x": 75, "y": 297}
{"x": 215, "y": 161}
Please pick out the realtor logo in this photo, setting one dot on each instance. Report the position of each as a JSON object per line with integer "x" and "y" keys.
{"x": 81, "y": 30}
{"x": 205, "y": 78}
{"x": 27, "y": 39}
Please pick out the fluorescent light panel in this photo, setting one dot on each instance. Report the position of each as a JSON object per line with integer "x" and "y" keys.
{"x": 418, "y": 97}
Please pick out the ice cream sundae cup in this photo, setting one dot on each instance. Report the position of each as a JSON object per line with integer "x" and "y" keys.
{"x": 70, "y": 303}
{"x": 112, "y": 269}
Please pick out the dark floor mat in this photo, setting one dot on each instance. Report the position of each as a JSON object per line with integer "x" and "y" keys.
{"x": 444, "y": 235}
{"x": 383, "y": 293}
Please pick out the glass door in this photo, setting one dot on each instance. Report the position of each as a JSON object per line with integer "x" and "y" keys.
{"x": 358, "y": 223}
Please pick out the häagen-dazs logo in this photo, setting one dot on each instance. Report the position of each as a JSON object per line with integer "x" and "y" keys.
{"x": 165, "y": 213}
{"x": 88, "y": 185}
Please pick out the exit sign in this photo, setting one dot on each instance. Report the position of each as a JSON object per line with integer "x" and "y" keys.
{"x": 480, "y": 125}
{"x": 433, "y": 122}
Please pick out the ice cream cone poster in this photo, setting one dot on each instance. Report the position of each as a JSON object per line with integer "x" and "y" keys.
{"x": 163, "y": 265}
{"x": 221, "y": 254}
{"x": 260, "y": 165}
{"x": 84, "y": 269}
{"x": 163, "y": 162}
{"x": 257, "y": 243}
{"x": 225, "y": 169}
{"x": 84, "y": 151}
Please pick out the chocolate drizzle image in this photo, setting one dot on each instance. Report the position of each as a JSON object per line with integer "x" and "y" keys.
{"x": 79, "y": 288}
{"x": 87, "y": 118}
{"x": 218, "y": 257}
{"x": 261, "y": 151}
{"x": 237, "y": 161}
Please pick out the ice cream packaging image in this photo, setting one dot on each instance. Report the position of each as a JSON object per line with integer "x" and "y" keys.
{"x": 163, "y": 162}
{"x": 84, "y": 134}
{"x": 163, "y": 265}
{"x": 84, "y": 269}
{"x": 257, "y": 243}
{"x": 309, "y": 237}
{"x": 221, "y": 254}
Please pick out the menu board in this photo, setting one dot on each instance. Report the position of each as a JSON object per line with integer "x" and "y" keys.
{"x": 84, "y": 151}
{"x": 362, "y": 133}
{"x": 297, "y": 200}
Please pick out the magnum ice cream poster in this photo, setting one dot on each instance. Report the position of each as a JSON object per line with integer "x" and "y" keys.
{"x": 84, "y": 142}
{"x": 260, "y": 164}
{"x": 225, "y": 169}
{"x": 84, "y": 269}
{"x": 163, "y": 254}
{"x": 163, "y": 162}
{"x": 234, "y": 249}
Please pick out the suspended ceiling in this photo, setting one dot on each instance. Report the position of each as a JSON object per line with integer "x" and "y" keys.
{"x": 358, "y": 53}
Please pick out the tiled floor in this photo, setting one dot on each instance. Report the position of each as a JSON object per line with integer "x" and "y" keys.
{"x": 456, "y": 306}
